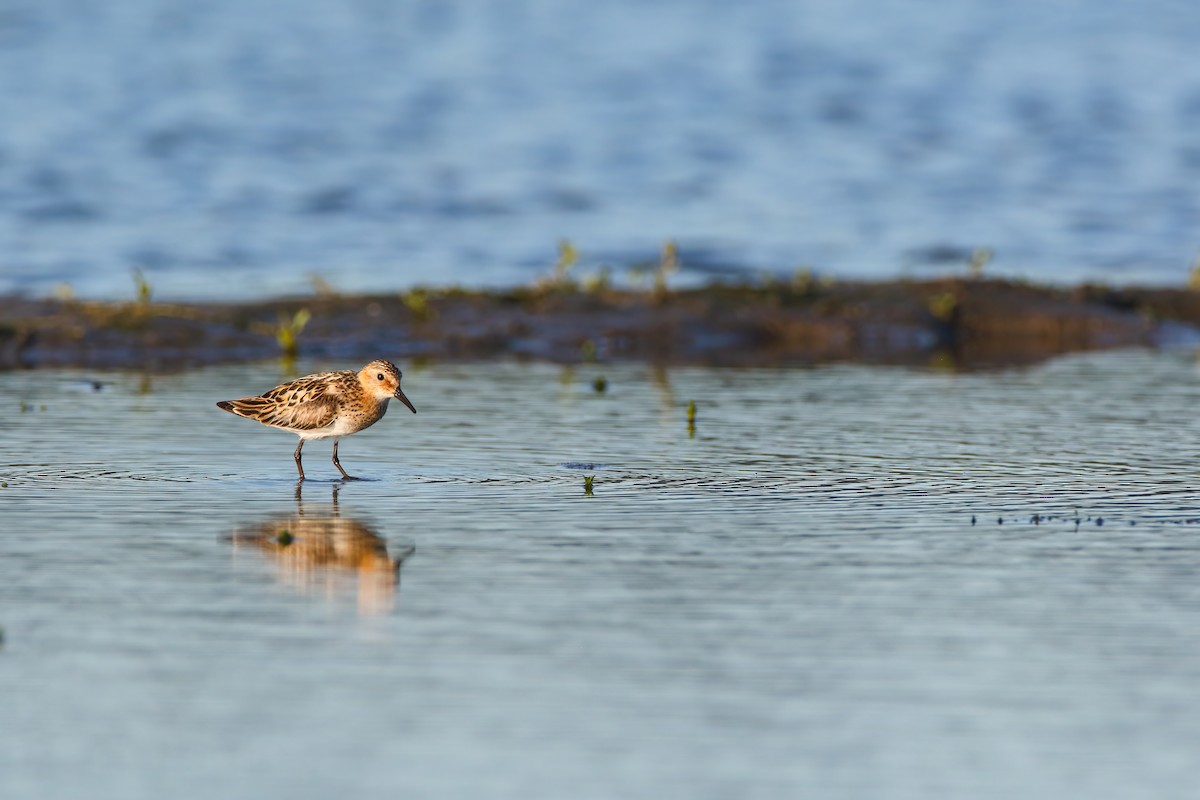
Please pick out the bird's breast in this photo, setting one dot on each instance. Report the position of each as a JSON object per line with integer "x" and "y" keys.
{"x": 354, "y": 418}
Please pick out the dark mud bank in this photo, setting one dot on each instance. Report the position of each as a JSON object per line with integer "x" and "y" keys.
{"x": 969, "y": 322}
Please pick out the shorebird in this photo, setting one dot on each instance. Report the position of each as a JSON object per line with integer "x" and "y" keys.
{"x": 325, "y": 405}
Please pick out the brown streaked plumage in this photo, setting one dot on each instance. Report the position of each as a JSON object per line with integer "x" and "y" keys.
{"x": 326, "y": 405}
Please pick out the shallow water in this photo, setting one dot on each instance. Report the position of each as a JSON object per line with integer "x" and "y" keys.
{"x": 812, "y": 595}
{"x": 232, "y": 148}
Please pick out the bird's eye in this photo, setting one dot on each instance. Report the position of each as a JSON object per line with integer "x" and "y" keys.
{"x": 379, "y": 376}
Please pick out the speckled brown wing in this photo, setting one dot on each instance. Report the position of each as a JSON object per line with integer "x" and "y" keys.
{"x": 306, "y": 404}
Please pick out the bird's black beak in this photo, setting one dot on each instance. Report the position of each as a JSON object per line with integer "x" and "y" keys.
{"x": 400, "y": 396}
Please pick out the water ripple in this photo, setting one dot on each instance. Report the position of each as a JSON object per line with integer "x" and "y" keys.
{"x": 993, "y": 570}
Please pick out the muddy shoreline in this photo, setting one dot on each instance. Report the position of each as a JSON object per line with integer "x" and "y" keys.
{"x": 968, "y": 323}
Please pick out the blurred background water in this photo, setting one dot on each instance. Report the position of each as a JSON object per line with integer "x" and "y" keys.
{"x": 231, "y": 149}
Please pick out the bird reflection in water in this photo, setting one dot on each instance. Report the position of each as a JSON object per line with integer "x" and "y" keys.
{"x": 324, "y": 553}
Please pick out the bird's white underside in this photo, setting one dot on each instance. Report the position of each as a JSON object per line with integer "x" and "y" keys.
{"x": 341, "y": 426}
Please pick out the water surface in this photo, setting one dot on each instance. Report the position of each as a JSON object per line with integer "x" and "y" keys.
{"x": 836, "y": 588}
{"x": 232, "y": 148}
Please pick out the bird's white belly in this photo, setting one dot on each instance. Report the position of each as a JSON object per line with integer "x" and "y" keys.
{"x": 342, "y": 425}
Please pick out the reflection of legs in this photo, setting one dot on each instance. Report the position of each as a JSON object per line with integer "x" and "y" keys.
{"x": 299, "y": 468}
{"x": 337, "y": 463}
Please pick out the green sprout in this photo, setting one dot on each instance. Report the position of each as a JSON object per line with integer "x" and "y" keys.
{"x": 598, "y": 281}
{"x": 287, "y": 332}
{"x": 668, "y": 263}
{"x": 135, "y": 316}
{"x": 1194, "y": 274}
{"x": 560, "y": 276}
{"x": 691, "y": 412}
{"x": 285, "y": 538}
{"x": 588, "y": 480}
{"x": 943, "y": 305}
{"x": 567, "y": 256}
{"x": 144, "y": 290}
{"x": 600, "y": 384}
{"x": 803, "y": 281}
{"x": 417, "y": 302}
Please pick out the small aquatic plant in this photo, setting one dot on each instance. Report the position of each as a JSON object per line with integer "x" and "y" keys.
{"x": 417, "y": 302}
{"x": 285, "y": 538}
{"x": 560, "y": 275}
{"x": 600, "y": 384}
{"x": 1194, "y": 274}
{"x": 125, "y": 316}
{"x": 598, "y": 281}
{"x": 144, "y": 290}
{"x": 588, "y": 481}
{"x": 943, "y": 305}
{"x": 691, "y": 419}
{"x": 804, "y": 283}
{"x": 668, "y": 263}
{"x": 287, "y": 332}
{"x": 567, "y": 256}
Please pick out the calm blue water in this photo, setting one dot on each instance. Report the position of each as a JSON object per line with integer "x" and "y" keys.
{"x": 811, "y": 597}
{"x": 233, "y": 148}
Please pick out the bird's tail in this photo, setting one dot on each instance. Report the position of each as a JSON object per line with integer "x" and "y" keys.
{"x": 248, "y": 407}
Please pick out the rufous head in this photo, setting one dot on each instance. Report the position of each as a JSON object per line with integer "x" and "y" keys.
{"x": 382, "y": 379}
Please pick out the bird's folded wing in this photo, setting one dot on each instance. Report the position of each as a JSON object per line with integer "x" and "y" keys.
{"x": 302, "y": 405}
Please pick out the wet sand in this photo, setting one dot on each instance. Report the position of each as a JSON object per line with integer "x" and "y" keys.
{"x": 967, "y": 323}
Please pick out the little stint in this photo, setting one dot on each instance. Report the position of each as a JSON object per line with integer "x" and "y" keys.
{"x": 326, "y": 405}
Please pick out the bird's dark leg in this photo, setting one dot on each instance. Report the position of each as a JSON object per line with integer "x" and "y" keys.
{"x": 299, "y": 468}
{"x": 338, "y": 464}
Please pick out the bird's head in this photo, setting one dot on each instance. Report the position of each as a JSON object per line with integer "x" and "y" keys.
{"x": 382, "y": 380}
